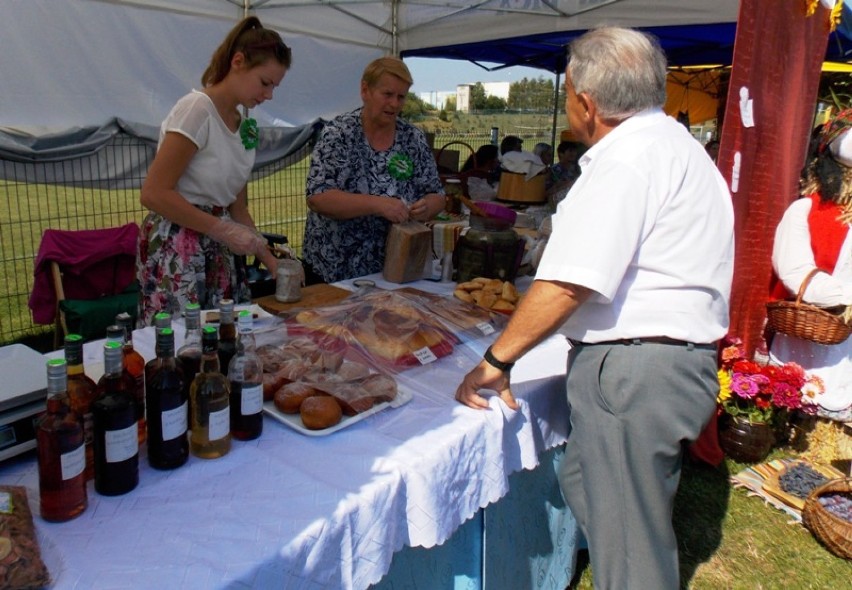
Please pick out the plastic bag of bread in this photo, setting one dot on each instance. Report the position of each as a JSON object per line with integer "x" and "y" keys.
{"x": 394, "y": 330}
{"x": 465, "y": 319}
{"x": 308, "y": 364}
{"x": 21, "y": 565}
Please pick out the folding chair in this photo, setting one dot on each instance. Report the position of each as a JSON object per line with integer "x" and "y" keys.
{"x": 84, "y": 278}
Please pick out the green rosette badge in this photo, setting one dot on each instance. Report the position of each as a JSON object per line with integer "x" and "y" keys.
{"x": 249, "y": 133}
{"x": 401, "y": 166}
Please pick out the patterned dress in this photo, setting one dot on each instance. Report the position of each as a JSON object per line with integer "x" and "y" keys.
{"x": 343, "y": 159}
{"x": 178, "y": 265}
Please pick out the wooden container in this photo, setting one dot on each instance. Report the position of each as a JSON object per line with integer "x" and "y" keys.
{"x": 515, "y": 188}
{"x": 408, "y": 248}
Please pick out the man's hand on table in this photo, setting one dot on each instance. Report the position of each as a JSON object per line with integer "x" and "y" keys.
{"x": 484, "y": 376}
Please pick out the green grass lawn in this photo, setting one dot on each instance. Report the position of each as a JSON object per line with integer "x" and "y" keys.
{"x": 730, "y": 540}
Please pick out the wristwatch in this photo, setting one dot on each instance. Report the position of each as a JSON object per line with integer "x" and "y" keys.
{"x": 497, "y": 364}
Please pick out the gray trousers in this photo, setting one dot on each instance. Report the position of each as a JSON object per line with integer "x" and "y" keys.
{"x": 632, "y": 406}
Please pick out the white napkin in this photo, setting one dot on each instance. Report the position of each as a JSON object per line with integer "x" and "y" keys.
{"x": 526, "y": 163}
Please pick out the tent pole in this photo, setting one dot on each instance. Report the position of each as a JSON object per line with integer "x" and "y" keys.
{"x": 395, "y": 28}
{"x": 555, "y": 112}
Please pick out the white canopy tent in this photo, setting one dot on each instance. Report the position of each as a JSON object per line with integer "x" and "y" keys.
{"x": 81, "y": 63}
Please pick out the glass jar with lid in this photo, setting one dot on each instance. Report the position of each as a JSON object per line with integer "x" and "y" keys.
{"x": 490, "y": 248}
{"x": 453, "y": 189}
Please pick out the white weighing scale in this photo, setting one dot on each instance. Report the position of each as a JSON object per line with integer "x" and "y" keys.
{"x": 23, "y": 396}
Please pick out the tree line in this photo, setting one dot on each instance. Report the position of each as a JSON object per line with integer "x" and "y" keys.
{"x": 530, "y": 95}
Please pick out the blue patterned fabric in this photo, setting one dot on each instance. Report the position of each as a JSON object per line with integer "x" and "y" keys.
{"x": 343, "y": 159}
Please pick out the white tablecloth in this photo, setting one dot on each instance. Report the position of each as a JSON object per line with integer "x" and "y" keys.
{"x": 292, "y": 511}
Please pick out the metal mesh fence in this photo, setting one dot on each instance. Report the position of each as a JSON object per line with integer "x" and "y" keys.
{"x": 54, "y": 195}
{"x": 276, "y": 200}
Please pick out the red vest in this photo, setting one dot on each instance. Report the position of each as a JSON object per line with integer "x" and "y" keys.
{"x": 827, "y": 236}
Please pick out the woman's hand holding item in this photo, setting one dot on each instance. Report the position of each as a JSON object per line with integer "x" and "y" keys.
{"x": 268, "y": 259}
{"x": 239, "y": 238}
{"x": 394, "y": 210}
{"x": 428, "y": 207}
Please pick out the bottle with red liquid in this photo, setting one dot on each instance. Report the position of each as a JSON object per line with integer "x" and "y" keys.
{"x": 82, "y": 391}
{"x": 115, "y": 426}
{"x": 189, "y": 354}
{"x": 166, "y": 405}
{"x": 227, "y": 334}
{"x": 61, "y": 449}
{"x": 135, "y": 365}
{"x": 246, "y": 376}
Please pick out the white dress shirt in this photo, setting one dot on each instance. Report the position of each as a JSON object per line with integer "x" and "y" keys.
{"x": 648, "y": 226}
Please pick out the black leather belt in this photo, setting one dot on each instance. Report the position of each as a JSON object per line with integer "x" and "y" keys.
{"x": 646, "y": 340}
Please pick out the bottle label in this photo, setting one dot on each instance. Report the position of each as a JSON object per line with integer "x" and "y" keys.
{"x": 220, "y": 424}
{"x": 73, "y": 462}
{"x": 122, "y": 444}
{"x": 252, "y": 399}
{"x": 174, "y": 422}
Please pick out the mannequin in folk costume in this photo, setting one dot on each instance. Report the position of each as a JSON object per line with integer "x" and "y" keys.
{"x": 814, "y": 233}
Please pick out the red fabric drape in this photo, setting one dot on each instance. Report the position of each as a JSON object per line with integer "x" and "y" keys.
{"x": 778, "y": 53}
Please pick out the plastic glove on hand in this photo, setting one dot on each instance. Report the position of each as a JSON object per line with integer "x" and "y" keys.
{"x": 239, "y": 238}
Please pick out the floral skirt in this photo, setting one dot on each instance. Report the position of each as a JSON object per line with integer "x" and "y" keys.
{"x": 177, "y": 265}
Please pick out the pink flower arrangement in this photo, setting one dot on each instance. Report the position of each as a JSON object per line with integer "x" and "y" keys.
{"x": 757, "y": 390}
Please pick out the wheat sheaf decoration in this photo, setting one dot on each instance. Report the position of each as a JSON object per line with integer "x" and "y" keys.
{"x": 836, "y": 7}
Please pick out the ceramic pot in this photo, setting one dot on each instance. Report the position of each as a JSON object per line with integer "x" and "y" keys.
{"x": 745, "y": 441}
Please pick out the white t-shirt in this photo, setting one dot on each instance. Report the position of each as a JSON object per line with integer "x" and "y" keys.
{"x": 648, "y": 226}
{"x": 221, "y": 167}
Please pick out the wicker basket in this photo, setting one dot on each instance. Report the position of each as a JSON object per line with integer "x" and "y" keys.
{"x": 830, "y": 530}
{"x": 806, "y": 321}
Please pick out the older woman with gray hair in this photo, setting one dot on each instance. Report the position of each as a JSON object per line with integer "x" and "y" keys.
{"x": 369, "y": 169}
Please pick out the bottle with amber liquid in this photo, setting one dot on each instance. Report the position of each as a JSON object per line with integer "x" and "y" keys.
{"x": 210, "y": 436}
{"x": 61, "y": 449}
{"x": 246, "y": 376}
{"x": 189, "y": 354}
{"x": 82, "y": 391}
{"x": 227, "y": 334}
{"x": 135, "y": 365}
{"x": 166, "y": 404}
{"x": 115, "y": 425}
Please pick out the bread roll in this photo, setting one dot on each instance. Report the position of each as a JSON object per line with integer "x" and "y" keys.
{"x": 509, "y": 292}
{"x": 288, "y": 399}
{"x": 319, "y": 412}
{"x": 381, "y": 387}
{"x": 503, "y": 305}
{"x": 272, "y": 382}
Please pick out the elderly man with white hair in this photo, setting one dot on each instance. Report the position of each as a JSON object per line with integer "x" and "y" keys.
{"x": 637, "y": 275}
